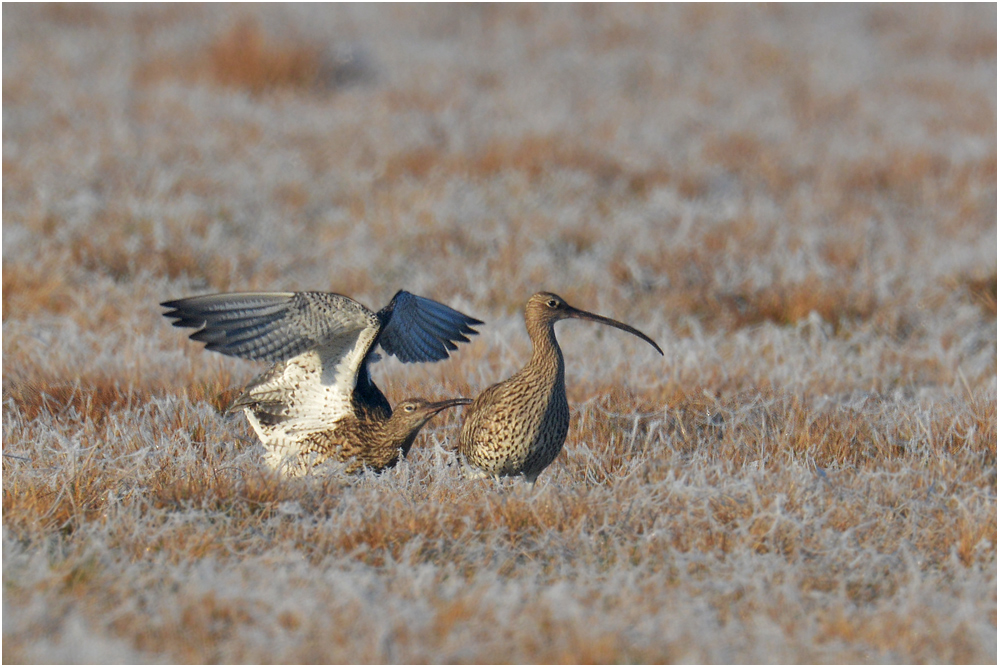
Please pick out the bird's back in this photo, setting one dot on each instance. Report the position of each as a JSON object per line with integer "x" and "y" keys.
{"x": 352, "y": 442}
{"x": 312, "y": 391}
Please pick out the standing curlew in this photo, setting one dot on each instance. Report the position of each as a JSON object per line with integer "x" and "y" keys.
{"x": 518, "y": 426}
{"x": 318, "y": 400}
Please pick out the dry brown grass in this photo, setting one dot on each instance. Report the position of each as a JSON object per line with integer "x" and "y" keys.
{"x": 794, "y": 516}
{"x": 244, "y": 57}
{"x": 532, "y": 157}
{"x": 808, "y": 475}
{"x": 982, "y": 292}
{"x": 30, "y": 289}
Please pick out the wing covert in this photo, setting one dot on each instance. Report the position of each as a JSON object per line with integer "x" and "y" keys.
{"x": 268, "y": 326}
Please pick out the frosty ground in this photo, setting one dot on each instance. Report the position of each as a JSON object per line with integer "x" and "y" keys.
{"x": 797, "y": 203}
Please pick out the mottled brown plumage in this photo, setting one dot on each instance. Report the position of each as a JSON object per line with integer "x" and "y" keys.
{"x": 367, "y": 440}
{"x": 318, "y": 401}
{"x": 518, "y": 426}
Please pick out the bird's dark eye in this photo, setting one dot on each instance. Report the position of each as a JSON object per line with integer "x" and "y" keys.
{"x": 409, "y": 408}
{"x": 552, "y": 303}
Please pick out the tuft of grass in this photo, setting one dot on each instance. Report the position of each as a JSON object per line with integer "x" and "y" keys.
{"x": 982, "y": 291}
{"x": 789, "y": 304}
{"x": 32, "y": 288}
{"x": 245, "y": 57}
{"x": 531, "y": 156}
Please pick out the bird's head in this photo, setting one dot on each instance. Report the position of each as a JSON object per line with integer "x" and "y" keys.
{"x": 412, "y": 414}
{"x": 546, "y": 307}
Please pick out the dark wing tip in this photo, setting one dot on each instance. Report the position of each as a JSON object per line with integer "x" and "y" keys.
{"x": 175, "y": 311}
{"x": 251, "y": 325}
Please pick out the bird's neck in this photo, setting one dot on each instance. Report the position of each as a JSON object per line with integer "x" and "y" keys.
{"x": 406, "y": 443}
{"x": 546, "y": 356}
{"x": 395, "y": 436}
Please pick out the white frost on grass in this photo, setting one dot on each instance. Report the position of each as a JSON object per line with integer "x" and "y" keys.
{"x": 796, "y": 203}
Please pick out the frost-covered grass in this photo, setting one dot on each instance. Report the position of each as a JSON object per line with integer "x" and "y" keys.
{"x": 798, "y": 204}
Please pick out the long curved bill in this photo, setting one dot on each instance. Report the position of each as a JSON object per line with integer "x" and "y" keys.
{"x": 587, "y": 315}
{"x": 436, "y": 407}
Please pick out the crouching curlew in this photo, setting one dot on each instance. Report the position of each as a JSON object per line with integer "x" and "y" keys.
{"x": 370, "y": 441}
{"x": 317, "y": 402}
{"x": 518, "y": 426}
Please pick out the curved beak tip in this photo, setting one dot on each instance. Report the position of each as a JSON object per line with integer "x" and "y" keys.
{"x": 586, "y": 315}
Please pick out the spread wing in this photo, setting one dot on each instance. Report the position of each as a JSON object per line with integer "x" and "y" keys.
{"x": 418, "y": 329}
{"x": 270, "y": 326}
{"x": 318, "y": 342}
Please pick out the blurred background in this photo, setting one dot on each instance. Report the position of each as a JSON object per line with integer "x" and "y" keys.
{"x": 726, "y": 165}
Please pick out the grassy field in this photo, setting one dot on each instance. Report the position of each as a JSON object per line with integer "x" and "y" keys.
{"x": 798, "y": 203}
